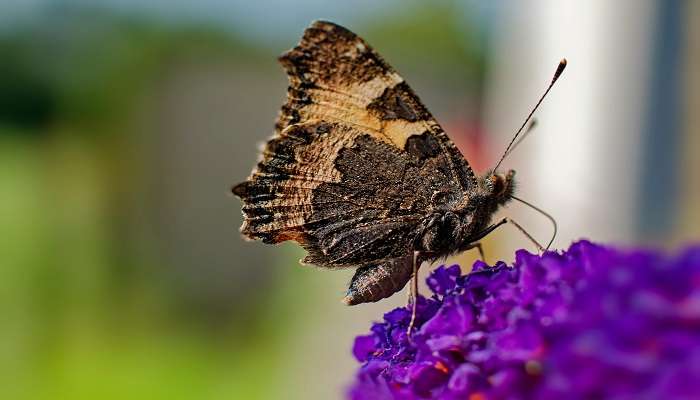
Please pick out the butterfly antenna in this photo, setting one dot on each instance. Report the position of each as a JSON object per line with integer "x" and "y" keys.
{"x": 530, "y": 128}
{"x": 557, "y": 74}
{"x": 539, "y": 210}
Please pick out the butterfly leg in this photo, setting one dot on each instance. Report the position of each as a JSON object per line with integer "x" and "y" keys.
{"x": 524, "y": 232}
{"x": 411, "y": 291}
{"x": 418, "y": 259}
{"x": 478, "y": 247}
{"x": 493, "y": 227}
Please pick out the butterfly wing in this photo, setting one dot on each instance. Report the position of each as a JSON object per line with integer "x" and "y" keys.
{"x": 356, "y": 159}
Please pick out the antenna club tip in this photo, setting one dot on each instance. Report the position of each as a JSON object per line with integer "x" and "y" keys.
{"x": 560, "y": 69}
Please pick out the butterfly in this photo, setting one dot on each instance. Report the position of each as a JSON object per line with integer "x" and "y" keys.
{"x": 361, "y": 175}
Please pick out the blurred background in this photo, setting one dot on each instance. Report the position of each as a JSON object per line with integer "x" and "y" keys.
{"x": 124, "y": 123}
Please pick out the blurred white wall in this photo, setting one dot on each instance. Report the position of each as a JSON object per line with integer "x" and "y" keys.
{"x": 690, "y": 193}
{"x": 579, "y": 164}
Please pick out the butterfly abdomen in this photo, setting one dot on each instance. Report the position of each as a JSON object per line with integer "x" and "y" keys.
{"x": 375, "y": 282}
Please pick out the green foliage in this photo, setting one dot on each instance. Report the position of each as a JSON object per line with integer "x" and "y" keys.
{"x": 429, "y": 36}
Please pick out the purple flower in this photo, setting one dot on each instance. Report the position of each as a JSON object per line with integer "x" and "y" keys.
{"x": 591, "y": 322}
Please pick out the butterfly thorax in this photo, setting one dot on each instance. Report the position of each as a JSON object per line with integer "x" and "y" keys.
{"x": 453, "y": 227}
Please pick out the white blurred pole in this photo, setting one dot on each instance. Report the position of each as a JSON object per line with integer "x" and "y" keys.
{"x": 580, "y": 162}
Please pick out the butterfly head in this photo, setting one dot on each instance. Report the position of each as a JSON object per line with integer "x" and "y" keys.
{"x": 499, "y": 187}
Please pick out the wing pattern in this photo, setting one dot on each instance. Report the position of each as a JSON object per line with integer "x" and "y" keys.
{"x": 356, "y": 160}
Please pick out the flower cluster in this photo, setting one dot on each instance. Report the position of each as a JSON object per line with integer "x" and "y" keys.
{"x": 591, "y": 322}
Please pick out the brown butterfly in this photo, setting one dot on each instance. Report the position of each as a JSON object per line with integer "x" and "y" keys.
{"x": 361, "y": 175}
